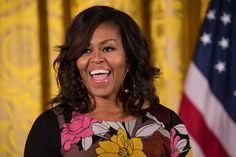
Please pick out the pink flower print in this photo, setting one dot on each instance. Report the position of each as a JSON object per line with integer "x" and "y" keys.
{"x": 77, "y": 129}
{"x": 173, "y": 142}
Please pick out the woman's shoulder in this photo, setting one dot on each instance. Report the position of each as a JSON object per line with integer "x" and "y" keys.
{"x": 164, "y": 114}
{"x": 49, "y": 116}
{"x": 45, "y": 117}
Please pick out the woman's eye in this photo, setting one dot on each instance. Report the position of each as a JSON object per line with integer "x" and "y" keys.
{"x": 108, "y": 49}
{"x": 87, "y": 50}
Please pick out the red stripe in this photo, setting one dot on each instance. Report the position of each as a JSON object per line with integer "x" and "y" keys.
{"x": 198, "y": 129}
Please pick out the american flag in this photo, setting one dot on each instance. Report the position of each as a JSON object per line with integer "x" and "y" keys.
{"x": 208, "y": 107}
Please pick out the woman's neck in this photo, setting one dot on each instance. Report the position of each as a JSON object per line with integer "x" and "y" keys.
{"x": 109, "y": 110}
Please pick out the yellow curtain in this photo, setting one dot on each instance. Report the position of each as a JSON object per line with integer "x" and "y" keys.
{"x": 30, "y": 30}
{"x": 20, "y": 70}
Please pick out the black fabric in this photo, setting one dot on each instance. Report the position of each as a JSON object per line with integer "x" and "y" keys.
{"x": 44, "y": 137}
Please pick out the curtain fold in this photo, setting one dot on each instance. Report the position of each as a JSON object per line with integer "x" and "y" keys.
{"x": 172, "y": 42}
{"x": 30, "y": 30}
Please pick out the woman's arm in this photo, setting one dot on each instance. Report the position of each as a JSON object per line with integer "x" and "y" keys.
{"x": 44, "y": 137}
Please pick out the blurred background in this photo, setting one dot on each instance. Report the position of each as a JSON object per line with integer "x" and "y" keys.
{"x": 30, "y": 30}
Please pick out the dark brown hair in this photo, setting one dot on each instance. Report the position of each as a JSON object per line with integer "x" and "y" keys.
{"x": 139, "y": 79}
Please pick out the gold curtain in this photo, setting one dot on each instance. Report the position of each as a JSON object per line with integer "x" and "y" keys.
{"x": 30, "y": 30}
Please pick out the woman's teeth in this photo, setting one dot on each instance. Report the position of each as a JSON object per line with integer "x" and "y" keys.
{"x": 99, "y": 71}
{"x": 100, "y": 74}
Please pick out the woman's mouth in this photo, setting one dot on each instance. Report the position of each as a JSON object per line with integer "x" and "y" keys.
{"x": 100, "y": 74}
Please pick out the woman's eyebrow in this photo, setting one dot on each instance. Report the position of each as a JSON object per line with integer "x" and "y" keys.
{"x": 107, "y": 40}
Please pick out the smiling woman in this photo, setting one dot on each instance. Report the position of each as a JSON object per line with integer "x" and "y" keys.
{"x": 106, "y": 105}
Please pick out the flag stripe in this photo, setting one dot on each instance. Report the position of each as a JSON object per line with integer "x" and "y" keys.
{"x": 207, "y": 141}
{"x": 216, "y": 118}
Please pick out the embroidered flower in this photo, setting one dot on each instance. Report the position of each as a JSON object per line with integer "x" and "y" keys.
{"x": 173, "y": 142}
{"x": 156, "y": 145}
{"x": 120, "y": 145}
{"x": 177, "y": 144}
{"x": 78, "y": 128}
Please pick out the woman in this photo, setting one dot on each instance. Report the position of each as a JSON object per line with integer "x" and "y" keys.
{"x": 106, "y": 105}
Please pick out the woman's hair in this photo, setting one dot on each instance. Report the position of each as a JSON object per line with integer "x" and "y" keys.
{"x": 138, "y": 84}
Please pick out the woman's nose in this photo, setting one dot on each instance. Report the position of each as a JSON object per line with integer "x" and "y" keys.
{"x": 97, "y": 57}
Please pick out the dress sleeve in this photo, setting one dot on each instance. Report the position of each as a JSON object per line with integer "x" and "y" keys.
{"x": 179, "y": 138}
{"x": 44, "y": 137}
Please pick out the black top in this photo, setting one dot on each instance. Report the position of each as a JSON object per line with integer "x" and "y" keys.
{"x": 44, "y": 137}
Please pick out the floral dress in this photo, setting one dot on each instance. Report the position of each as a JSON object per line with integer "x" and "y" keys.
{"x": 159, "y": 132}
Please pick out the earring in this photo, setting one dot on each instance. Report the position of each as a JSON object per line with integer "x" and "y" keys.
{"x": 126, "y": 90}
{"x": 126, "y": 71}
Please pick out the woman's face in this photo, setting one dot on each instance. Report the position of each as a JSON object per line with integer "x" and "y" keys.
{"x": 102, "y": 65}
